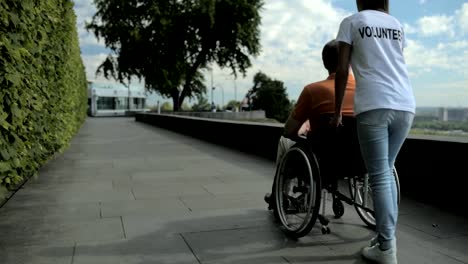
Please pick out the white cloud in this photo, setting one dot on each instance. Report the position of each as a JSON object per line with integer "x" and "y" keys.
{"x": 293, "y": 34}
{"x": 409, "y": 29}
{"x": 85, "y": 10}
{"x": 436, "y": 25}
{"x": 91, "y": 63}
{"x": 462, "y": 15}
{"x": 461, "y": 45}
{"x": 454, "y": 25}
{"x": 452, "y": 93}
{"x": 422, "y": 2}
{"x": 425, "y": 59}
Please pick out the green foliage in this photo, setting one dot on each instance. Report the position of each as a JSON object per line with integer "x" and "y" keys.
{"x": 166, "y": 106}
{"x": 168, "y": 43}
{"x": 202, "y": 105}
{"x": 269, "y": 95}
{"x": 232, "y": 105}
{"x": 441, "y": 125}
{"x": 42, "y": 84}
{"x": 186, "y": 107}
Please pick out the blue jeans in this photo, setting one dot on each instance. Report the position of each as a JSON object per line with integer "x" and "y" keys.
{"x": 381, "y": 134}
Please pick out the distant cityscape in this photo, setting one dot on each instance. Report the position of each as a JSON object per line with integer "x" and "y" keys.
{"x": 455, "y": 114}
{"x": 448, "y": 121}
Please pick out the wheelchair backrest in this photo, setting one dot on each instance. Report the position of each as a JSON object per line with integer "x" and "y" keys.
{"x": 337, "y": 145}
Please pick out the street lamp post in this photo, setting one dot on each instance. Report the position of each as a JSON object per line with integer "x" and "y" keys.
{"x": 235, "y": 89}
{"x": 222, "y": 93}
{"x": 212, "y": 88}
{"x": 213, "y": 106}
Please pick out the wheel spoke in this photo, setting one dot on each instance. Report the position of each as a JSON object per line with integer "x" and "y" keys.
{"x": 295, "y": 202}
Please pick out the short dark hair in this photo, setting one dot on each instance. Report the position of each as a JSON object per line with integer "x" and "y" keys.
{"x": 330, "y": 55}
{"x": 375, "y": 4}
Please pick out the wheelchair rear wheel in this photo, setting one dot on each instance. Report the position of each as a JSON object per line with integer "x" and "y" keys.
{"x": 297, "y": 192}
{"x": 363, "y": 200}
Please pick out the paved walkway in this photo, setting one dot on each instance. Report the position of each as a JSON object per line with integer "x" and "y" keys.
{"x": 126, "y": 192}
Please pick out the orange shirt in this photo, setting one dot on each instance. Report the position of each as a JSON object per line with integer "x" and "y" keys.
{"x": 319, "y": 98}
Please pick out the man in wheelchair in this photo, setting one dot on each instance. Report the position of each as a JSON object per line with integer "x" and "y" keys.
{"x": 316, "y": 100}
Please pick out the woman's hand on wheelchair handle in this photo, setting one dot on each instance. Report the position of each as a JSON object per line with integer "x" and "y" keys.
{"x": 336, "y": 120}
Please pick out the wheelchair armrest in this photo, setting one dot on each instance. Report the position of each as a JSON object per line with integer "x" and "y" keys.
{"x": 299, "y": 139}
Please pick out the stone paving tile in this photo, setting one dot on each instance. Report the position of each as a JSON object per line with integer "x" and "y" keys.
{"x": 143, "y": 207}
{"x": 37, "y": 254}
{"x": 75, "y": 196}
{"x": 179, "y": 174}
{"x": 253, "y": 245}
{"x": 240, "y": 188}
{"x": 17, "y": 212}
{"x": 163, "y": 179}
{"x": 415, "y": 253}
{"x": 455, "y": 247}
{"x": 241, "y": 259}
{"x": 217, "y": 245}
{"x": 222, "y": 201}
{"x": 135, "y": 251}
{"x": 34, "y": 185}
{"x": 439, "y": 225}
{"x": 166, "y": 225}
{"x": 167, "y": 190}
{"x": 50, "y": 232}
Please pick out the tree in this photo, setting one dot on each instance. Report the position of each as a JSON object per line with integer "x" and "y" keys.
{"x": 292, "y": 104}
{"x": 202, "y": 104}
{"x": 269, "y": 95}
{"x": 186, "y": 107}
{"x": 166, "y": 107}
{"x": 233, "y": 104}
{"x": 168, "y": 43}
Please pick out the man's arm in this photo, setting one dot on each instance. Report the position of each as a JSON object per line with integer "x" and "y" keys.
{"x": 291, "y": 128}
{"x": 298, "y": 116}
{"x": 341, "y": 78}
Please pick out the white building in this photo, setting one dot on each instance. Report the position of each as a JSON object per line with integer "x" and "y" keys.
{"x": 453, "y": 114}
{"x": 114, "y": 101}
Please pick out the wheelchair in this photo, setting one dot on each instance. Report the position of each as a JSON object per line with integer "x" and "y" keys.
{"x": 312, "y": 169}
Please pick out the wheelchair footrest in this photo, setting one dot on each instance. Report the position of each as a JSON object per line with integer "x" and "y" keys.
{"x": 324, "y": 222}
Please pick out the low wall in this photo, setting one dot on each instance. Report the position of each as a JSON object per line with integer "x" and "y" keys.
{"x": 252, "y": 137}
{"x": 432, "y": 169}
{"x": 252, "y": 115}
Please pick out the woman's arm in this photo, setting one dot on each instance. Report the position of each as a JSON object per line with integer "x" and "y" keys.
{"x": 341, "y": 78}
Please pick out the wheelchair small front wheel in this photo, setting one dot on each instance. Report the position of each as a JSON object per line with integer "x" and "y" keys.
{"x": 338, "y": 208}
{"x": 297, "y": 192}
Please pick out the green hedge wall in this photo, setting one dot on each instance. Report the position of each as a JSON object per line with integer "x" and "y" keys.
{"x": 42, "y": 84}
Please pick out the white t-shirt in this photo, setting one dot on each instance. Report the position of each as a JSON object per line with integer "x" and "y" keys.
{"x": 377, "y": 60}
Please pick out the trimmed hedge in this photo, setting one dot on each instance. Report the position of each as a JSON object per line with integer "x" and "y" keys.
{"x": 42, "y": 84}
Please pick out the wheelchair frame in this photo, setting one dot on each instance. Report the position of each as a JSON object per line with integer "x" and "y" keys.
{"x": 319, "y": 182}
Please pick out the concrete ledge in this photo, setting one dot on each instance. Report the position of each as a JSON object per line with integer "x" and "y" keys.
{"x": 224, "y": 115}
{"x": 252, "y": 137}
{"x": 432, "y": 169}
{"x": 435, "y": 172}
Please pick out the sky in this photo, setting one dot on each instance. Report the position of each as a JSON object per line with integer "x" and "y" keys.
{"x": 293, "y": 33}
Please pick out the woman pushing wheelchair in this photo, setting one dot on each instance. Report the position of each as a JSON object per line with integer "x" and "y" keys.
{"x": 372, "y": 41}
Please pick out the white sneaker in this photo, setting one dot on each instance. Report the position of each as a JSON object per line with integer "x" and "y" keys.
{"x": 375, "y": 241}
{"x": 374, "y": 253}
